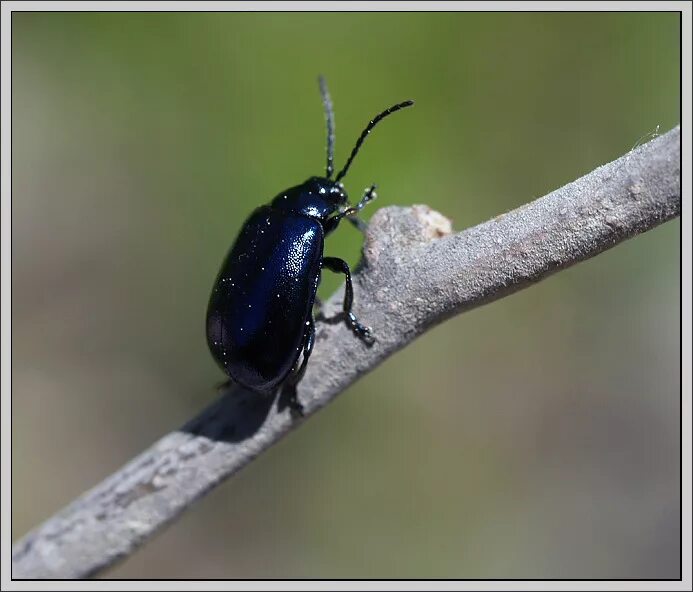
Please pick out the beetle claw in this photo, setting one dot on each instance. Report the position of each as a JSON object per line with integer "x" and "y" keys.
{"x": 296, "y": 407}
{"x": 368, "y": 336}
{"x": 361, "y": 331}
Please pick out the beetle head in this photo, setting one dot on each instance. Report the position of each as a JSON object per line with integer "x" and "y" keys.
{"x": 332, "y": 191}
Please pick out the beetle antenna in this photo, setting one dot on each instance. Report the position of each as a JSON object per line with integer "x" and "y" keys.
{"x": 329, "y": 118}
{"x": 377, "y": 119}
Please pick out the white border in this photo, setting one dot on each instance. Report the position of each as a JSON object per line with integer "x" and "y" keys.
{"x": 5, "y": 270}
{"x": 6, "y": 295}
{"x": 686, "y": 265}
{"x": 347, "y": 6}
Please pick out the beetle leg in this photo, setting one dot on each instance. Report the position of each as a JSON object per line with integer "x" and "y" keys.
{"x": 360, "y": 225}
{"x": 368, "y": 196}
{"x": 340, "y": 266}
{"x": 309, "y": 342}
{"x": 297, "y": 374}
{"x": 224, "y": 386}
{"x": 350, "y": 213}
{"x": 318, "y": 312}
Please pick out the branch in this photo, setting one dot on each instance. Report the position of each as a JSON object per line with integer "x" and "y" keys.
{"x": 414, "y": 274}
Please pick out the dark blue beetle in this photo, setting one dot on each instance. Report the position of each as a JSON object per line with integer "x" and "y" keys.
{"x": 260, "y": 315}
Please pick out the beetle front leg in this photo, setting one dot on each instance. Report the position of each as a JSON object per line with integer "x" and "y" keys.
{"x": 368, "y": 196}
{"x": 340, "y": 266}
{"x": 350, "y": 213}
{"x": 360, "y": 225}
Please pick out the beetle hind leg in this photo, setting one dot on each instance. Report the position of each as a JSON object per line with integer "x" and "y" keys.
{"x": 340, "y": 266}
{"x": 317, "y": 310}
{"x": 223, "y": 386}
{"x": 299, "y": 370}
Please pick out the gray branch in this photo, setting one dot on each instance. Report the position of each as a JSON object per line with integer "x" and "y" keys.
{"x": 414, "y": 274}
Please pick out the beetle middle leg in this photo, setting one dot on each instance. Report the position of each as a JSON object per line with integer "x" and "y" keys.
{"x": 298, "y": 372}
{"x": 340, "y": 266}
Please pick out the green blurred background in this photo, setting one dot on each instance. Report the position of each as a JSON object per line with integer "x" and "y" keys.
{"x": 535, "y": 437}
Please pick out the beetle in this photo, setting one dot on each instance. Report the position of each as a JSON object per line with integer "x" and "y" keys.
{"x": 260, "y": 313}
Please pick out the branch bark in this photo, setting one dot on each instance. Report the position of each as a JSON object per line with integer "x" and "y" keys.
{"x": 414, "y": 274}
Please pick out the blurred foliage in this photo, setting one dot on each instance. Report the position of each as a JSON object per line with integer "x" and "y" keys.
{"x": 535, "y": 437}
